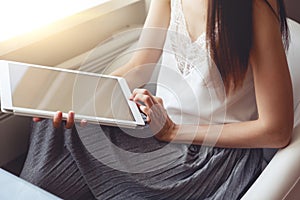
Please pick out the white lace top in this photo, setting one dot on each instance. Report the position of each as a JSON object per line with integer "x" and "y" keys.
{"x": 191, "y": 88}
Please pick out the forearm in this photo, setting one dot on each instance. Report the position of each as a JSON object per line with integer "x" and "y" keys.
{"x": 146, "y": 54}
{"x": 135, "y": 75}
{"x": 250, "y": 134}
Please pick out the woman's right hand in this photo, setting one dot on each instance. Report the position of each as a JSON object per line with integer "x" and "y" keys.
{"x": 57, "y": 119}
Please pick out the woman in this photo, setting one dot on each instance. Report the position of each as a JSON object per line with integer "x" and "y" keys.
{"x": 224, "y": 87}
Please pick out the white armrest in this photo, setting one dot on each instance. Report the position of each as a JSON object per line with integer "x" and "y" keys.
{"x": 282, "y": 173}
{"x": 13, "y": 187}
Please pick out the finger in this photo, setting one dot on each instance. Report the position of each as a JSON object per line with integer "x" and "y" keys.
{"x": 140, "y": 91}
{"x": 154, "y": 99}
{"x": 83, "y": 123}
{"x": 70, "y": 120}
{"x": 57, "y": 119}
{"x": 145, "y": 99}
{"x": 146, "y": 111}
{"x": 139, "y": 106}
{"x": 36, "y": 119}
{"x": 159, "y": 100}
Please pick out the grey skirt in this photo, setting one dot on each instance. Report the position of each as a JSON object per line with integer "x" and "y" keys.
{"x": 100, "y": 162}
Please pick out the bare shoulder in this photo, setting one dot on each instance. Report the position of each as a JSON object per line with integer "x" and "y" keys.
{"x": 165, "y": 4}
{"x": 267, "y": 49}
{"x": 161, "y": 2}
{"x": 273, "y": 3}
{"x": 266, "y": 9}
{"x": 266, "y": 24}
{"x": 159, "y": 14}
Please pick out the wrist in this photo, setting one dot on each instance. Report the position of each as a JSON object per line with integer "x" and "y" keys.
{"x": 187, "y": 134}
{"x": 172, "y": 132}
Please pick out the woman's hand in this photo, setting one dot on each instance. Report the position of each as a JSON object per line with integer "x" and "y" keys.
{"x": 160, "y": 123}
{"x": 57, "y": 119}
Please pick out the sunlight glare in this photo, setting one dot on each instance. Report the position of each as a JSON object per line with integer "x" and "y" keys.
{"x": 22, "y": 16}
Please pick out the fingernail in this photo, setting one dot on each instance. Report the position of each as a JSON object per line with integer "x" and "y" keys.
{"x": 71, "y": 114}
{"x": 58, "y": 114}
{"x": 83, "y": 123}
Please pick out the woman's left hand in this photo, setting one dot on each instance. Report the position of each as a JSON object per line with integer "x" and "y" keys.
{"x": 157, "y": 117}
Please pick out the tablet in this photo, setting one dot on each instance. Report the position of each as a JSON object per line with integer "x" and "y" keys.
{"x": 40, "y": 91}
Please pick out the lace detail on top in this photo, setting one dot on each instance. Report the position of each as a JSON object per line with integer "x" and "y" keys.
{"x": 189, "y": 54}
{"x": 190, "y": 83}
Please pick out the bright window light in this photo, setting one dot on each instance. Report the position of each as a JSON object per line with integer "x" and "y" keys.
{"x": 22, "y": 16}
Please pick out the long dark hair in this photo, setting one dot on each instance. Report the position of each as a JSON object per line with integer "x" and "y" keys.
{"x": 230, "y": 36}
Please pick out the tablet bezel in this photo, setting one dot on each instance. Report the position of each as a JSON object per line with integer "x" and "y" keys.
{"x": 8, "y": 107}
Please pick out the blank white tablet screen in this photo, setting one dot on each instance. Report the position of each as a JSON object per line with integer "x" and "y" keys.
{"x": 51, "y": 90}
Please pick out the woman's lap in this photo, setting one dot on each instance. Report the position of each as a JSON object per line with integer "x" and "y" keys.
{"x": 118, "y": 163}
{"x": 50, "y": 165}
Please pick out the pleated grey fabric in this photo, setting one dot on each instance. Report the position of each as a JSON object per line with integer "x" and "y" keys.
{"x": 100, "y": 162}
